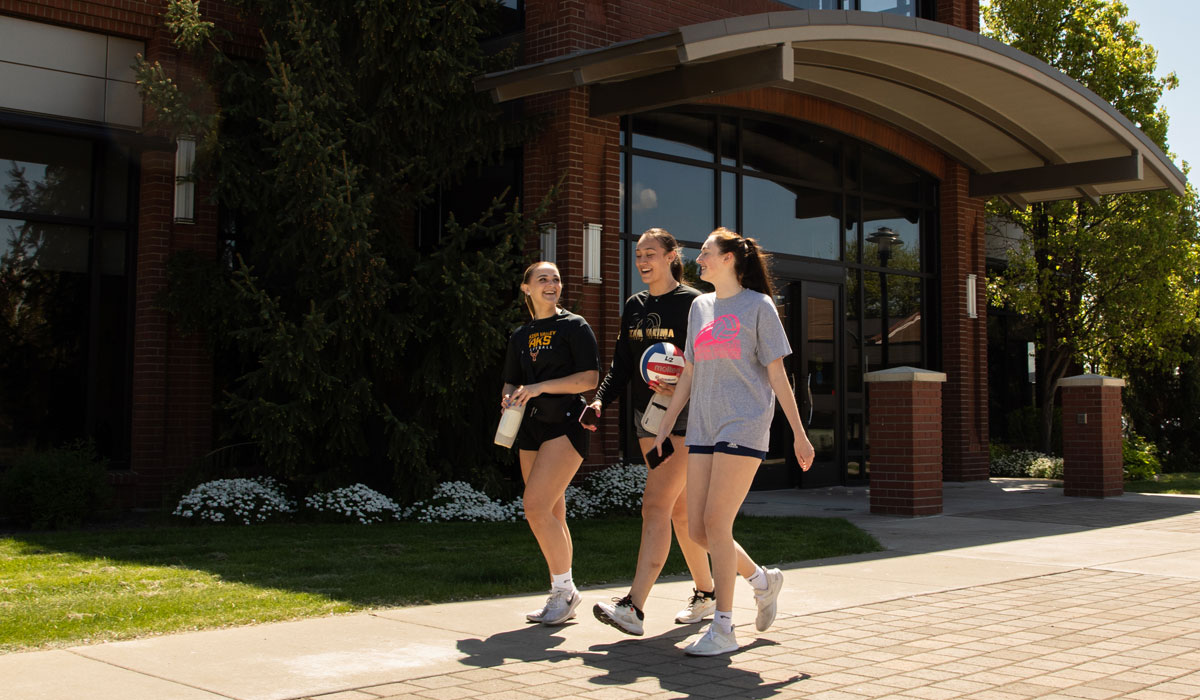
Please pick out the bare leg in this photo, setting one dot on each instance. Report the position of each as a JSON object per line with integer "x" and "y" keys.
{"x": 717, "y": 485}
{"x": 546, "y": 479}
{"x": 660, "y": 501}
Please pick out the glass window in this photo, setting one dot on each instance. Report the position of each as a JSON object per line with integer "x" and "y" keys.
{"x": 64, "y": 291}
{"x": 850, "y": 230}
{"x": 44, "y": 174}
{"x": 116, "y": 185}
{"x": 791, "y": 218}
{"x": 729, "y": 201}
{"x": 892, "y": 236}
{"x": 908, "y": 8}
{"x": 44, "y": 290}
{"x": 853, "y": 334}
{"x": 815, "y": 4}
{"x": 791, "y": 151}
{"x": 685, "y": 135}
{"x": 904, "y": 321}
{"x": 729, "y": 145}
{"x": 673, "y": 196}
{"x": 885, "y": 176}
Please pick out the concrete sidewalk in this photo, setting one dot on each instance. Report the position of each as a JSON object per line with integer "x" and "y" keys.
{"x": 1014, "y": 592}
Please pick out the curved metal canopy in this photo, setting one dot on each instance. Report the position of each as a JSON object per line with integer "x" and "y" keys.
{"x": 1027, "y": 131}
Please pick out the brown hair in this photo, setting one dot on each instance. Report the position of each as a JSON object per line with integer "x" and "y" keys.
{"x": 525, "y": 280}
{"x": 668, "y": 242}
{"x": 750, "y": 262}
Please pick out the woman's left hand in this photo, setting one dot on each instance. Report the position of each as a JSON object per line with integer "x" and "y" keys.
{"x": 662, "y": 388}
{"x": 523, "y": 393}
{"x": 804, "y": 452}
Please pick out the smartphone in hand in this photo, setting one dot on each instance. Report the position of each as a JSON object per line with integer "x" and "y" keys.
{"x": 589, "y": 417}
{"x": 655, "y": 458}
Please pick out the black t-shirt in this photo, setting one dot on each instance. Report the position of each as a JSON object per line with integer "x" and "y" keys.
{"x": 646, "y": 320}
{"x": 550, "y": 348}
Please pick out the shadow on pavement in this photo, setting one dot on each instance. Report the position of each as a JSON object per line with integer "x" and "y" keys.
{"x": 632, "y": 660}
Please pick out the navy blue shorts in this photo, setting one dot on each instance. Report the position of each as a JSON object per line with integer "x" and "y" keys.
{"x": 727, "y": 449}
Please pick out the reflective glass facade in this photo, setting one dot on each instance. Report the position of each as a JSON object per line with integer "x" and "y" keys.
{"x": 66, "y": 240}
{"x": 851, "y": 229}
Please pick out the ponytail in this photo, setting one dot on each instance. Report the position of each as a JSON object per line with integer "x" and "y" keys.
{"x": 751, "y": 262}
{"x": 668, "y": 243}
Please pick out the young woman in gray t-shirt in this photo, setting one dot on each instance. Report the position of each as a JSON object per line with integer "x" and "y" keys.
{"x": 734, "y": 372}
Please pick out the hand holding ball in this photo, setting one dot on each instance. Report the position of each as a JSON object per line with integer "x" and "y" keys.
{"x": 662, "y": 363}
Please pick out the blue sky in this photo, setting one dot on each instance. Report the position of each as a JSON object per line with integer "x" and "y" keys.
{"x": 1170, "y": 26}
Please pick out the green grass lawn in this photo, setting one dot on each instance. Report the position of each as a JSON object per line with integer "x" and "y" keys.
{"x": 1181, "y": 482}
{"x": 67, "y": 588}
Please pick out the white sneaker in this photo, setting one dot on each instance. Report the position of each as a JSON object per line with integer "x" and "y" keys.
{"x": 713, "y": 642}
{"x": 620, "y": 614}
{"x": 699, "y": 607}
{"x": 560, "y": 607}
{"x": 767, "y": 599}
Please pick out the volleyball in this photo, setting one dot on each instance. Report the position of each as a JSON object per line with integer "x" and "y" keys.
{"x": 662, "y": 362}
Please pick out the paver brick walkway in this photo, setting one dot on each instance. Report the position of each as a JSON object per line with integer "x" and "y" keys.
{"x": 1078, "y": 634}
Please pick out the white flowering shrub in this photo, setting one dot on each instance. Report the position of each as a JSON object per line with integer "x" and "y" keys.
{"x": 243, "y": 501}
{"x": 457, "y": 500}
{"x": 1027, "y": 463}
{"x": 358, "y": 503}
{"x": 616, "y": 490}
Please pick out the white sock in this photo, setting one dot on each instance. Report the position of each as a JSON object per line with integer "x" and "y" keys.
{"x": 723, "y": 621}
{"x": 759, "y": 579}
{"x": 562, "y": 582}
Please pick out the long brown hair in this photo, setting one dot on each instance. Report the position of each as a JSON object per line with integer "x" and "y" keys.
{"x": 751, "y": 262}
{"x": 525, "y": 280}
{"x": 668, "y": 243}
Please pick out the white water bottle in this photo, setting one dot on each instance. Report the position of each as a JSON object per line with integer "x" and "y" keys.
{"x": 510, "y": 423}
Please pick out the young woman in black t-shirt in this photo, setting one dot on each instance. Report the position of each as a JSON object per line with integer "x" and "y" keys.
{"x": 550, "y": 361}
{"x": 659, "y": 314}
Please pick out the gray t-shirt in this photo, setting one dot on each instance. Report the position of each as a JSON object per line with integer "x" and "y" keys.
{"x": 730, "y": 343}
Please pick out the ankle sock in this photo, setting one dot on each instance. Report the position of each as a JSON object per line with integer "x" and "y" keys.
{"x": 759, "y": 579}
{"x": 562, "y": 582}
{"x": 723, "y": 621}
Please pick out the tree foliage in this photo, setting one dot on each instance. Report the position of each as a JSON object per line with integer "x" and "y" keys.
{"x": 362, "y": 354}
{"x": 1109, "y": 285}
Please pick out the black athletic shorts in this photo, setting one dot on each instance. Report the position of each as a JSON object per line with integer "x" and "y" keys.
{"x": 728, "y": 449}
{"x": 534, "y": 432}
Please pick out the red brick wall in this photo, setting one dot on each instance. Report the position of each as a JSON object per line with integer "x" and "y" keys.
{"x": 960, "y": 13}
{"x": 1092, "y": 460}
{"x": 906, "y": 447}
{"x": 964, "y": 340}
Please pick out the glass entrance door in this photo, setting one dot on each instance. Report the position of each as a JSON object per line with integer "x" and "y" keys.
{"x": 815, "y": 318}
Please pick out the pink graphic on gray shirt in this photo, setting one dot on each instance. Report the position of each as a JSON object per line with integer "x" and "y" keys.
{"x": 718, "y": 339}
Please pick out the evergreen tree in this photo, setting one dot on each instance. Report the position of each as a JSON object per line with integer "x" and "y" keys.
{"x": 1109, "y": 285}
{"x": 366, "y": 358}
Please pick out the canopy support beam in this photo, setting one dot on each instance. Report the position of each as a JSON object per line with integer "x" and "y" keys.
{"x": 1051, "y": 177}
{"x": 693, "y": 81}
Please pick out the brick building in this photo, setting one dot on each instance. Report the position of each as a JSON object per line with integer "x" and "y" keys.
{"x": 857, "y": 139}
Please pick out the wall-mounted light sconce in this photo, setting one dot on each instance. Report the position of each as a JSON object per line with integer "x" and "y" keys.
{"x": 549, "y": 242}
{"x": 972, "y": 304}
{"x": 591, "y": 253}
{"x": 185, "y": 187}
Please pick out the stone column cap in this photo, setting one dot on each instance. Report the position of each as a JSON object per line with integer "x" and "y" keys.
{"x": 904, "y": 374}
{"x": 1091, "y": 380}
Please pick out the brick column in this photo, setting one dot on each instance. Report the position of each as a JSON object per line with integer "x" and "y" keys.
{"x": 905, "y": 432}
{"x": 1091, "y": 416}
